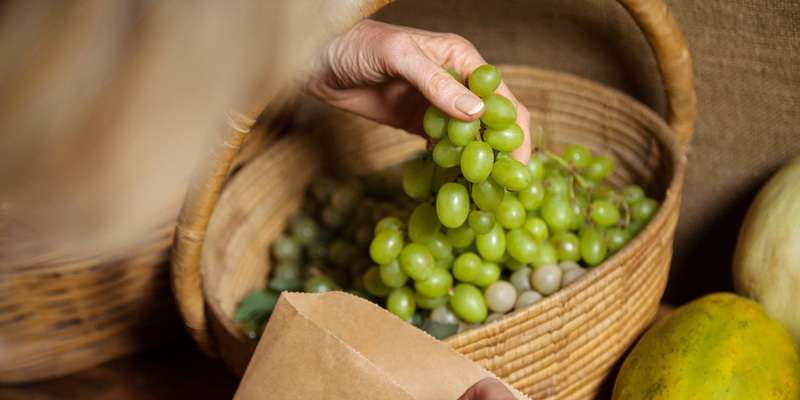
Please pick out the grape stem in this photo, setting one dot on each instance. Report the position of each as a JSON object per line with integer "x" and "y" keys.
{"x": 627, "y": 208}
{"x": 568, "y": 167}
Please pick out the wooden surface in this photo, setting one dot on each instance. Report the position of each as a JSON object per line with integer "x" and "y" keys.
{"x": 177, "y": 370}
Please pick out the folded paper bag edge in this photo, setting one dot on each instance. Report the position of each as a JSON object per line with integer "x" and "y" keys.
{"x": 329, "y": 312}
{"x": 283, "y": 368}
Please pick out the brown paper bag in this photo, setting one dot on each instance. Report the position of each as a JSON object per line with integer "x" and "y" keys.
{"x": 338, "y": 346}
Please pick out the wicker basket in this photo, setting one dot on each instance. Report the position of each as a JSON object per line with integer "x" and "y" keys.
{"x": 61, "y": 314}
{"x": 563, "y": 346}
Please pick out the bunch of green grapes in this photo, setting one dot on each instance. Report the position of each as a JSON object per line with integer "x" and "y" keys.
{"x": 326, "y": 244}
{"x": 490, "y": 234}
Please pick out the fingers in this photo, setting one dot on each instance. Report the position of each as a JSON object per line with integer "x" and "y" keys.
{"x": 436, "y": 84}
{"x": 459, "y": 54}
{"x": 487, "y": 389}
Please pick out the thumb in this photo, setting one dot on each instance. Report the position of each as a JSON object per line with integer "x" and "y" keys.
{"x": 440, "y": 88}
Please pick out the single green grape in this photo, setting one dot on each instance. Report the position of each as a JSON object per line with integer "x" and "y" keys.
{"x": 389, "y": 223}
{"x": 454, "y": 74}
{"x": 417, "y": 261}
{"x": 466, "y": 266}
{"x": 488, "y": 273}
{"x": 435, "y": 123}
{"x": 481, "y": 222}
{"x": 418, "y": 178}
{"x": 633, "y": 193}
{"x": 461, "y": 237}
{"x": 499, "y": 112}
{"x": 287, "y": 270}
{"x": 444, "y": 315}
{"x": 287, "y": 248}
{"x": 616, "y": 238}
{"x": 423, "y": 223}
{"x": 644, "y": 209}
{"x": 579, "y": 212}
{"x": 532, "y": 196}
{"x": 373, "y": 283}
{"x": 536, "y": 168}
{"x": 344, "y": 198}
{"x": 567, "y": 246}
{"x": 447, "y": 154}
{"x": 438, "y": 284}
{"x": 484, "y": 80}
{"x": 577, "y": 155}
{"x": 593, "y": 246}
{"x": 547, "y": 254}
{"x": 557, "y": 212}
{"x": 429, "y": 303}
{"x": 477, "y": 161}
{"x": 492, "y": 245}
{"x": 320, "y": 284}
{"x": 505, "y": 139}
{"x": 500, "y": 297}
{"x": 392, "y": 274}
{"x": 599, "y": 168}
{"x": 440, "y": 246}
{"x": 462, "y": 133}
{"x": 521, "y": 245}
{"x": 386, "y": 246}
{"x": 468, "y": 303}
{"x": 510, "y": 213}
{"x": 305, "y": 229}
{"x": 488, "y": 194}
{"x": 452, "y": 204}
{"x": 401, "y": 303}
{"x": 604, "y": 214}
{"x": 511, "y": 174}
{"x": 537, "y": 227}
{"x": 555, "y": 184}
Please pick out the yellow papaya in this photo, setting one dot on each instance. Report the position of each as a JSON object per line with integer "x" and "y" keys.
{"x": 720, "y": 346}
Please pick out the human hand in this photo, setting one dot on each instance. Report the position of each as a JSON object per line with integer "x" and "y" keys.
{"x": 391, "y": 74}
{"x": 487, "y": 389}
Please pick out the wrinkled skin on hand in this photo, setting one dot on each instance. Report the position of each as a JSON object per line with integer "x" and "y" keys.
{"x": 391, "y": 74}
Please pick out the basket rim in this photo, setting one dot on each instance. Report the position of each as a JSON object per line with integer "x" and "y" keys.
{"x": 670, "y": 204}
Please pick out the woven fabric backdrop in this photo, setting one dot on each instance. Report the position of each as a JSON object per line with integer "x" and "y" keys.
{"x": 747, "y": 76}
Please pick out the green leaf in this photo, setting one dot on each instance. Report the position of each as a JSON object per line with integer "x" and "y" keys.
{"x": 258, "y": 304}
{"x": 439, "y": 330}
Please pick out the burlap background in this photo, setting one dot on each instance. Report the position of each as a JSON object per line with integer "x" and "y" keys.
{"x": 746, "y": 56}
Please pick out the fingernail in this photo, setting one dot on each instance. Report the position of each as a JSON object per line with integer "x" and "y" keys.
{"x": 469, "y": 105}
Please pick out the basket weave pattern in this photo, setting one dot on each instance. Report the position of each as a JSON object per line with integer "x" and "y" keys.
{"x": 61, "y": 315}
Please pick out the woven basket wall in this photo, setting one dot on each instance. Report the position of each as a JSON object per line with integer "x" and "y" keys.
{"x": 62, "y": 314}
{"x": 563, "y": 346}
